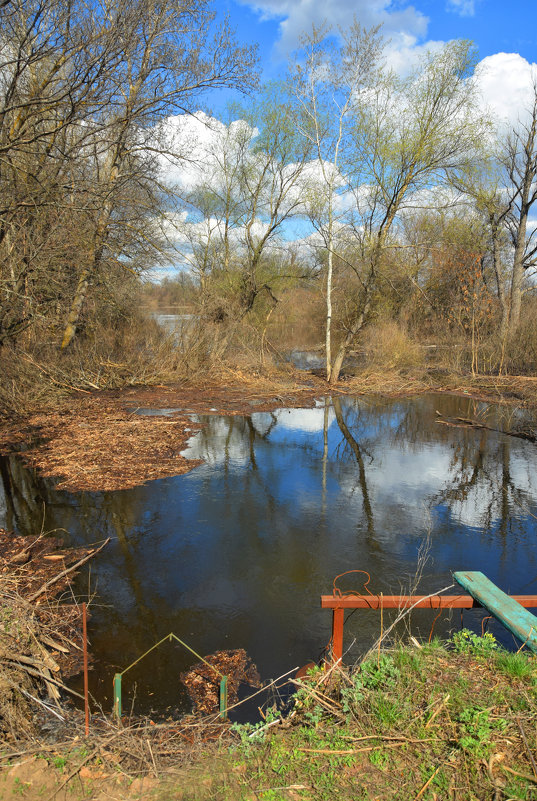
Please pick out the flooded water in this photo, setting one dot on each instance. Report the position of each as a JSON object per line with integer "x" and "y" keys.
{"x": 236, "y": 553}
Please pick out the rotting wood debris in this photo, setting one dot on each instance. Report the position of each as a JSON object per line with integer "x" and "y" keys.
{"x": 40, "y": 629}
{"x": 202, "y": 680}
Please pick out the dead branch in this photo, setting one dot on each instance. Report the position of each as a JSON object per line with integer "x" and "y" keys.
{"x": 68, "y": 570}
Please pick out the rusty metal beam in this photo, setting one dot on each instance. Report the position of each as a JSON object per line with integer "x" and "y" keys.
{"x": 406, "y": 601}
{"x": 339, "y": 603}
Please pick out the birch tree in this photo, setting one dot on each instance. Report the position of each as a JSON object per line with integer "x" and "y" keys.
{"x": 328, "y": 80}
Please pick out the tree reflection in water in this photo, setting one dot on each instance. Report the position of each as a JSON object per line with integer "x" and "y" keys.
{"x": 237, "y": 552}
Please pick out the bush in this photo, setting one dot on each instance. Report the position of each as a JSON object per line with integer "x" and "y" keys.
{"x": 388, "y": 345}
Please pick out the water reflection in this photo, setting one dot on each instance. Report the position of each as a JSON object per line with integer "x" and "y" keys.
{"x": 237, "y": 552}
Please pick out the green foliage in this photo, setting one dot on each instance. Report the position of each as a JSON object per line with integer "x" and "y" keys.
{"x": 466, "y": 642}
{"x": 386, "y": 710}
{"x": 378, "y": 758}
{"x": 59, "y": 762}
{"x": 476, "y": 727}
{"x": 375, "y": 674}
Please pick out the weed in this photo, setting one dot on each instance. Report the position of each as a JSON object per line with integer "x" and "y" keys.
{"x": 249, "y": 733}
{"x": 386, "y": 710}
{"x": 372, "y": 675}
{"x": 476, "y": 729}
{"x": 59, "y": 762}
{"x": 466, "y": 642}
{"x": 19, "y": 786}
{"x": 379, "y": 673}
{"x": 378, "y": 758}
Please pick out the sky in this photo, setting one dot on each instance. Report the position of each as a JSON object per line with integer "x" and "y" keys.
{"x": 496, "y": 26}
{"x": 504, "y": 32}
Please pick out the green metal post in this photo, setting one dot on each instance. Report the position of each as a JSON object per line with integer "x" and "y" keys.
{"x": 223, "y": 698}
{"x": 117, "y": 696}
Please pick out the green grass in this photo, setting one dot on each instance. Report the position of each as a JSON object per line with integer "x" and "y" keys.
{"x": 416, "y": 722}
{"x": 445, "y": 722}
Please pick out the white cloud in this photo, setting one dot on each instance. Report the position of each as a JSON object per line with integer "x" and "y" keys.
{"x": 308, "y": 420}
{"x": 505, "y": 81}
{"x": 194, "y": 143}
{"x": 403, "y": 52}
{"x": 464, "y": 8}
{"x": 298, "y": 16}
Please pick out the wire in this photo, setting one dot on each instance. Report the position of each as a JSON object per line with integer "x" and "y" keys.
{"x": 169, "y": 637}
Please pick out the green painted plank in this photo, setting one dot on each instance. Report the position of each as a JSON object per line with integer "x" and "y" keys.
{"x": 504, "y": 608}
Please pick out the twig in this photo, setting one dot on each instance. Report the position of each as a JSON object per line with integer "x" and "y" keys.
{"x": 215, "y": 717}
{"x": 148, "y": 741}
{"x": 45, "y": 706}
{"x": 398, "y": 738}
{"x": 329, "y": 704}
{"x": 526, "y": 640}
{"x": 427, "y": 783}
{"x": 381, "y": 629}
{"x": 404, "y": 614}
{"x": 66, "y": 571}
{"x": 289, "y": 787}
{"x": 523, "y": 733}
{"x": 39, "y": 675}
{"x": 437, "y": 711}
{"x": 531, "y": 779}
{"x": 342, "y": 751}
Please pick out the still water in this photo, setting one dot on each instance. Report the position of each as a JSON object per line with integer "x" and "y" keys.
{"x": 236, "y": 553}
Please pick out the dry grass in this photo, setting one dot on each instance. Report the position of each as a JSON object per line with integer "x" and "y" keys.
{"x": 388, "y": 346}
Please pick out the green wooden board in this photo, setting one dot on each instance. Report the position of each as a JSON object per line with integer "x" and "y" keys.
{"x": 504, "y": 608}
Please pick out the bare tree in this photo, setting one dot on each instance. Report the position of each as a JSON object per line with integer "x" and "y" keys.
{"x": 328, "y": 82}
{"x": 409, "y": 136}
{"x": 172, "y": 55}
{"x": 520, "y": 162}
{"x": 250, "y": 186}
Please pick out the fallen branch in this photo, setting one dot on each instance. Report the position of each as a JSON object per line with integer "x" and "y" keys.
{"x": 526, "y": 744}
{"x": 527, "y": 778}
{"x": 40, "y": 675}
{"x": 459, "y": 422}
{"x": 65, "y": 572}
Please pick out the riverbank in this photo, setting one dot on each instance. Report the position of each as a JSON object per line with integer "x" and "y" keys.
{"x": 451, "y": 721}
{"x": 109, "y": 440}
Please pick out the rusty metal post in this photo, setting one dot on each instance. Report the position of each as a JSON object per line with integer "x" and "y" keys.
{"x": 85, "y": 652}
{"x": 337, "y": 634}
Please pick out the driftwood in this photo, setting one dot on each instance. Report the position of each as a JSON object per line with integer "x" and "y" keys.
{"x": 65, "y": 572}
{"x": 467, "y": 422}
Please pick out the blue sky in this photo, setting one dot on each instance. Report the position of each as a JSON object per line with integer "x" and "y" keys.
{"x": 494, "y": 25}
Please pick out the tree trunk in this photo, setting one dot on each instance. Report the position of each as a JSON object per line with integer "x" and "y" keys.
{"x": 351, "y": 333}
{"x": 504, "y": 306}
{"x": 517, "y": 277}
{"x": 76, "y": 308}
{"x": 329, "y": 317}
